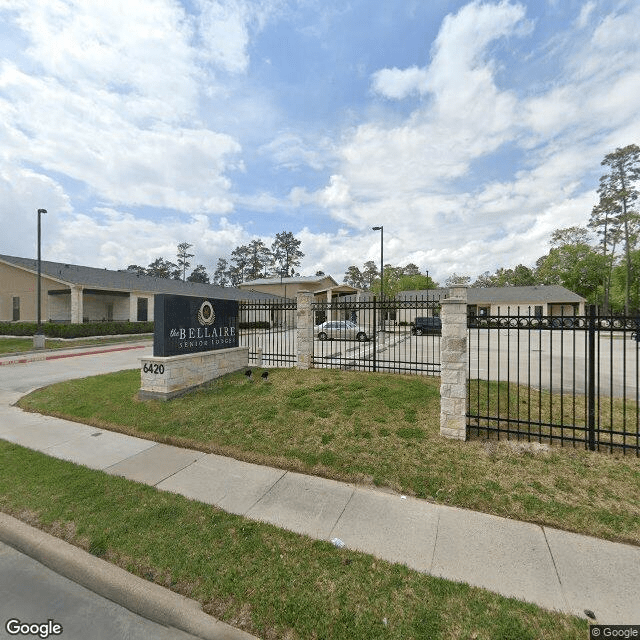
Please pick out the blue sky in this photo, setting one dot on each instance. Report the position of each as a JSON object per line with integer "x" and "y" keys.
{"x": 470, "y": 130}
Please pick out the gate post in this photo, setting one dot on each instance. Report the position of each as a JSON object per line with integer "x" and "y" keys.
{"x": 453, "y": 363}
{"x": 304, "y": 316}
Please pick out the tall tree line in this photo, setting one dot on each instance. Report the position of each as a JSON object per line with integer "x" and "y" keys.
{"x": 246, "y": 262}
{"x": 603, "y": 268}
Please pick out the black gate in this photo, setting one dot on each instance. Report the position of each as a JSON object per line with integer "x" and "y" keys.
{"x": 556, "y": 379}
{"x": 268, "y": 328}
{"x": 376, "y": 335}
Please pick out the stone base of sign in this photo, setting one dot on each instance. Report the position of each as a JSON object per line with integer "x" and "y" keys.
{"x": 164, "y": 378}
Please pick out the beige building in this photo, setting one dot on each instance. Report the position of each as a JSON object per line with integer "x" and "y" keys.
{"x": 75, "y": 294}
{"x": 537, "y": 300}
{"x": 324, "y": 288}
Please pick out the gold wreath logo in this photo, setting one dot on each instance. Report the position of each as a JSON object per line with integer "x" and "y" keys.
{"x": 206, "y": 314}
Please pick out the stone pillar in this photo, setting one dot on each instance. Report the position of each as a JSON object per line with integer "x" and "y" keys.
{"x": 76, "y": 304}
{"x": 453, "y": 359}
{"x": 304, "y": 316}
{"x": 133, "y": 307}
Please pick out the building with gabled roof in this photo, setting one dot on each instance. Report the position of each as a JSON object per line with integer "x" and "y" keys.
{"x": 323, "y": 287}
{"x": 74, "y": 293}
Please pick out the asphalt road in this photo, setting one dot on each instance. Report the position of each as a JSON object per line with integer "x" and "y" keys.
{"x": 30, "y": 593}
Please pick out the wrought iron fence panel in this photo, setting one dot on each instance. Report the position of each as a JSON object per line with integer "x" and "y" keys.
{"x": 376, "y": 335}
{"x": 268, "y": 328}
{"x": 568, "y": 380}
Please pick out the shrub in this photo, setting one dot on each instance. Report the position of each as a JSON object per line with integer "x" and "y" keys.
{"x": 87, "y": 329}
{"x": 259, "y": 324}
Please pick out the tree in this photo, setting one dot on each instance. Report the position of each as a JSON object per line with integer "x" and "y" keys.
{"x": 354, "y": 277}
{"x": 484, "y": 280}
{"x": 141, "y": 271}
{"x": 520, "y": 276}
{"x": 617, "y": 193}
{"x": 572, "y": 262}
{"x": 183, "y": 258}
{"x": 239, "y": 262}
{"x": 258, "y": 259}
{"x": 416, "y": 282}
{"x": 161, "y": 268}
{"x": 603, "y": 220}
{"x": 221, "y": 275}
{"x": 285, "y": 252}
{"x": 457, "y": 280}
{"x": 199, "y": 274}
{"x": 369, "y": 274}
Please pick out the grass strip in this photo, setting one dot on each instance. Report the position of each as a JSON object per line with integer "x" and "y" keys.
{"x": 371, "y": 429}
{"x": 24, "y": 345}
{"x": 270, "y": 582}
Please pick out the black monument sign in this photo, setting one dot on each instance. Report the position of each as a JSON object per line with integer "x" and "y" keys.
{"x": 184, "y": 324}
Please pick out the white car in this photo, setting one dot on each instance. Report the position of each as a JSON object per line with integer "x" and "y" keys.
{"x": 340, "y": 330}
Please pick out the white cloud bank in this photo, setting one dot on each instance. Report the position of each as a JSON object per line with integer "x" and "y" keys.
{"x": 411, "y": 176}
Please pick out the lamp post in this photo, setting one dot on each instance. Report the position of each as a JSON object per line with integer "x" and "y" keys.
{"x": 381, "y": 230}
{"x": 38, "y": 338}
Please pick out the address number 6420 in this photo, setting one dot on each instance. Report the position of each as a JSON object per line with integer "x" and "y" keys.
{"x": 152, "y": 367}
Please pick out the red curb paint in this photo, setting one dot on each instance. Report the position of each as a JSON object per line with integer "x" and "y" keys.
{"x": 71, "y": 355}
{"x": 93, "y": 353}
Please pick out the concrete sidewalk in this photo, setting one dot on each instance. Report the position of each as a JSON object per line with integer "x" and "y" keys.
{"x": 548, "y": 567}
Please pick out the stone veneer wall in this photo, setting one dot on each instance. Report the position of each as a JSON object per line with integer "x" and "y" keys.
{"x": 163, "y": 378}
{"x": 304, "y": 318}
{"x": 453, "y": 365}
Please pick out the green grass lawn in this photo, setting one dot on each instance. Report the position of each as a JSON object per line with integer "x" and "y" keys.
{"x": 270, "y": 582}
{"x": 24, "y": 345}
{"x": 372, "y": 429}
{"x": 552, "y": 416}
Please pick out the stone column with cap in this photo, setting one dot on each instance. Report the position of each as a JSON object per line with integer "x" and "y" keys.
{"x": 453, "y": 362}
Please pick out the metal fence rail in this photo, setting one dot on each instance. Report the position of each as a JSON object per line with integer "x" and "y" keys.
{"x": 562, "y": 379}
{"x": 268, "y": 328}
{"x": 375, "y": 335}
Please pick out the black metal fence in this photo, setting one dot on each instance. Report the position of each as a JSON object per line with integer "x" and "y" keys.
{"x": 572, "y": 380}
{"x": 268, "y": 328}
{"x": 376, "y": 335}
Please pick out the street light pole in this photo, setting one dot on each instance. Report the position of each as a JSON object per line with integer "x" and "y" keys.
{"x": 381, "y": 230}
{"x": 38, "y": 341}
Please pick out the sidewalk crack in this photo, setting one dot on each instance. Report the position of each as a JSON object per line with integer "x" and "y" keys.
{"x": 335, "y": 524}
{"x": 555, "y": 568}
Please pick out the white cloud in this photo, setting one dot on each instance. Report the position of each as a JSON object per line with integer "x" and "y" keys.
{"x": 290, "y": 150}
{"x": 116, "y": 239}
{"x": 411, "y": 175}
{"x": 400, "y": 83}
{"x": 585, "y": 14}
{"x": 109, "y": 102}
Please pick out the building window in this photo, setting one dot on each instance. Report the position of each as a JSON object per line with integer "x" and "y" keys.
{"x": 16, "y": 309}
{"x": 143, "y": 309}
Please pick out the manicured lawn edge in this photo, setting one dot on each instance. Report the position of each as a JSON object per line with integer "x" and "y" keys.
{"x": 270, "y": 582}
{"x": 368, "y": 429}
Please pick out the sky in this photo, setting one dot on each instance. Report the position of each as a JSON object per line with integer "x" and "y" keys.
{"x": 468, "y": 130}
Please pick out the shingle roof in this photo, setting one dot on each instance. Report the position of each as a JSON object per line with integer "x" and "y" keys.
{"x": 550, "y": 293}
{"x": 292, "y": 280}
{"x": 493, "y": 295}
{"x": 90, "y": 277}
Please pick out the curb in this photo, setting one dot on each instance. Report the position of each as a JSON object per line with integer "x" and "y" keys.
{"x": 39, "y": 357}
{"x": 140, "y": 596}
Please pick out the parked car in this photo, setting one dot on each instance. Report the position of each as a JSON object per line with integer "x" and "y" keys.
{"x": 341, "y": 330}
{"x": 426, "y": 325}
